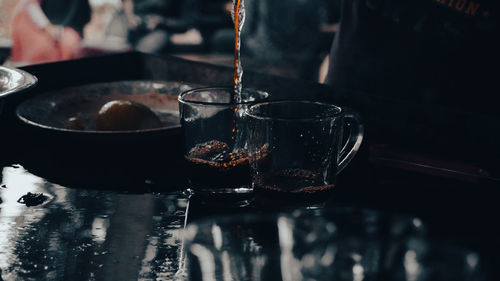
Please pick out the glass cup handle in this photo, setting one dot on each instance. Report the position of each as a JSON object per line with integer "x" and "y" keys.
{"x": 351, "y": 147}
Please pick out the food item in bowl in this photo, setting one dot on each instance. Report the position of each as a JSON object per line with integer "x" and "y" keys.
{"x": 125, "y": 115}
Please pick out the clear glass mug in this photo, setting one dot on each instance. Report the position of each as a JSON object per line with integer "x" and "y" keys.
{"x": 297, "y": 147}
{"x": 215, "y": 133}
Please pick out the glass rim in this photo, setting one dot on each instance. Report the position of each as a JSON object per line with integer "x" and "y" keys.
{"x": 338, "y": 111}
{"x": 181, "y": 98}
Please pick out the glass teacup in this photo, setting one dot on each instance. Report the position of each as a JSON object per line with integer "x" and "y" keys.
{"x": 297, "y": 147}
{"x": 216, "y": 141}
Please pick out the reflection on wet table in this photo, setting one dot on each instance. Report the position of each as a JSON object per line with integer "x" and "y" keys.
{"x": 85, "y": 234}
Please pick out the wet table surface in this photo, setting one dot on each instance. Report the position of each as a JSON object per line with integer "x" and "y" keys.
{"x": 123, "y": 221}
{"x": 79, "y": 234}
{"x": 106, "y": 234}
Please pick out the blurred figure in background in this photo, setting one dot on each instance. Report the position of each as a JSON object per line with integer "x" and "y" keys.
{"x": 434, "y": 51}
{"x": 48, "y": 30}
{"x": 278, "y": 37}
{"x": 146, "y": 25}
{"x": 285, "y": 32}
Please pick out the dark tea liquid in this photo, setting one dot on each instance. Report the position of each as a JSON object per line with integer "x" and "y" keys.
{"x": 238, "y": 14}
{"x": 213, "y": 164}
{"x": 293, "y": 182}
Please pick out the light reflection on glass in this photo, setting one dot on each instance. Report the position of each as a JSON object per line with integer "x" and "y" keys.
{"x": 472, "y": 260}
{"x": 358, "y": 272}
{"x": 258, "y": 263}
{"x": 99, "y": 229}
{"x": 61, "y": 196}
{"x": 149, "y": 256}
{"x": 290, "y": 266}
{"x": 285, "y": 233}
{"x": 417, "y": 222}
{"x": 226, "y": 266}
{"x": 217, "y": 235}
{"x": 308, "y": 261}
{"x": 329, "y": 256}
{"x": 206, "y": 261}
{"x": 411, "y": 265}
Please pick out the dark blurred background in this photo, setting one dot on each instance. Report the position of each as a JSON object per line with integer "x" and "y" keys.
{"x": 426, "y": 69}
{"x": 288, "y": 38}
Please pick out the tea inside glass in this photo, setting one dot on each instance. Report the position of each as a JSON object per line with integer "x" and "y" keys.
{"x": 215, "y": 132}
{"x": 297, "y": 148}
